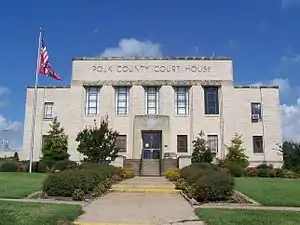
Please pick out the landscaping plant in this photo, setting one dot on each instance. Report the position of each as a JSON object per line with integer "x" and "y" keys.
{"x": 98, "y": 143}
{"x": 201, "y": 152}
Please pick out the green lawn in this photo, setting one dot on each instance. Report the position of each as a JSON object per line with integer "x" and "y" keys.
{"x": 271, "y": 191}
{"x": 19, "y": 185}
{"x": 15, "y": 213}
{"x": 247, "y": 217}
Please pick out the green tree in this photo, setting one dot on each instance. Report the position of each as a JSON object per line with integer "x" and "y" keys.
{"x": 236, "y": 153}
{"x": 55, "y": 144}
{"x": 16, "y": 156}
{"x": 201, "y": 152}
{"x": 98, "y": 143}
{"x": 291, "y": 155}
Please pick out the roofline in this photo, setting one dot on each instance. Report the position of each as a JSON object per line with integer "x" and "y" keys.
{"x": 43, "y": 86}
{"x": 156, "y": 58}
{"x": 255, "y": 86}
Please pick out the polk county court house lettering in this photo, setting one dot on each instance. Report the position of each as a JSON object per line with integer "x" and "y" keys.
{"x": 159, "y": 105}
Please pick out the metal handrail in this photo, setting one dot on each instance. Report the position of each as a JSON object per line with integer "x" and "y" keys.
{"x": 141, "y": 162}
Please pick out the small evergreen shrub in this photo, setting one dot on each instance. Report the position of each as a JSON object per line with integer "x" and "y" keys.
{"x": 263, "y": 172}
{"x": 279, "y": 172}
{"x": 236, "y": 170}
{"x": 251, "y": 172}
{"x": 10, "y": 166}
{"x": 215, "y": 186}
{"x": 172, "y": 174}
{"x": 78, "y": 195}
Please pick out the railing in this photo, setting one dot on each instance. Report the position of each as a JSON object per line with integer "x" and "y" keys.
{"x": 141, "y": 162}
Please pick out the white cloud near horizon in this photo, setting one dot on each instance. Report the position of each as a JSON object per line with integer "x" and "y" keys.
{"x": 133, "y": 48}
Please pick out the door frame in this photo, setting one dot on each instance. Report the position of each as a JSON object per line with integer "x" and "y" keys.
{"x": 160, "y": 143}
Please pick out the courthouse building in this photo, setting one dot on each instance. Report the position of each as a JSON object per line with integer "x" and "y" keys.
{"x": 158, "y": 106}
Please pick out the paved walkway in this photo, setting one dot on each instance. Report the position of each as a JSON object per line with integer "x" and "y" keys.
{"x": 125, "y": 206}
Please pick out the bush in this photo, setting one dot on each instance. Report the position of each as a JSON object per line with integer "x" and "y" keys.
{"x": 235, "y": 170}
{"x": 264, "y": 166}
{"x": 272, "y": 173}
{"x": 215, "y": 186}
{"x": 84, "y": 177}
{"x": 98, "y": 190}
{"x": 196, "y": 170}
{"x": 251, "y": 172}
{"x": 10, "y": 166}
{"x": 263, "y": 172}
{"x": 279, "y": 173}
{"x": 78, "y": 195}
{"x": 290, "y": 174}
{"x": 126, "y": 173}
{"x": 172, "y": 174}
{"x": 181, "y": 184}
{"x": 63, "y": 165}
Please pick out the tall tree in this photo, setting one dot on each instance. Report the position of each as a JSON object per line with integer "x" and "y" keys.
{"x": 291, "y": 155}
{"x": 236, "y": 153}
{"x": 201, "y": 152}
{"x": 55, "y": 143}
{"x": 98, "y": 143}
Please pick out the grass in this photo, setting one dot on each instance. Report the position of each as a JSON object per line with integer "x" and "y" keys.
{"x": 249, "y": 217}
{"x": 15, "y": 213}
{"x": 271, "y": 191}
{"x": 19, "y": 185}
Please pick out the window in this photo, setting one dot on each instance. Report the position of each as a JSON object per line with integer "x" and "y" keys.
{"x": 44, "y": 138}
{"x": 258, "y": 144}
{"x": 182, "y": 143}
{"x": 212, "y": 141}
{"x": 122, "y": 100}
{"x": 211, "y": 100}
{"x": 121, "y": 143}
{"x": 181, "y": 100}
{"x": 152, "y": 100}
{"x": 255, "y": 111}
{"x": 48, "y": 110}
{"x": 92, "y": 100}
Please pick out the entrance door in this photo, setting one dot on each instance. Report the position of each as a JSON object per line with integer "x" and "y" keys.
{"x": 151, "y": 144}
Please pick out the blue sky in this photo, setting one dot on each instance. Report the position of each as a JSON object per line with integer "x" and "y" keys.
{"x": 262, "y": 37}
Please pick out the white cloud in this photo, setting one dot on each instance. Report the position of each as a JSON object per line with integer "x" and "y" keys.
{"x": 3, "y": 90}
{"x": 286, "y": 4}
{"x": 133, "y": 47}
{"x": 10, "y": 131}
{"x": 291, "y": 59}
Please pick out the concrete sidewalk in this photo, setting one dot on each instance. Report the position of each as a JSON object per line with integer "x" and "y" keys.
{"x": 140, "y": 208}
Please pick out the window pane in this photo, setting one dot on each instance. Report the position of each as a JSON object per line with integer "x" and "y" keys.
{"x": 122, "y": 104}
{"x": 151, "y": 111}
{"x": 182, "y": 143}
{"x": 213, "y": 142}
{"x": 211, "y": 99}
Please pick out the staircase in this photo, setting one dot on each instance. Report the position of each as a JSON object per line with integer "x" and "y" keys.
{"x": 150, "y": 167}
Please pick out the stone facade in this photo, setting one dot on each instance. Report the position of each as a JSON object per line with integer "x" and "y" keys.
{"x": 234, "y": 105}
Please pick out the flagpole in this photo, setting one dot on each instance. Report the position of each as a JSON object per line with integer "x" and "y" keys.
{"x": 35, "y": 102}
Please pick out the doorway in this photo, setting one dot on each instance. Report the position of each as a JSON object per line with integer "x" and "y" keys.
{"x": 152, "y": 141}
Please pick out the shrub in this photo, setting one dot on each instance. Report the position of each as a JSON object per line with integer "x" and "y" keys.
{"x": 84, "y": 177}
{"x": 181, "y": 184}
{"x": 172, "y": 174}
{"x": 10, "y": 166}
{"x": 78, "y": 195}
{"x": 201, "y": 152}
{"x": 251, "y": 172}
{"x": 98, "y": 190}
{"x": 235, "y": 170}
{"x": 192, "y": 172}
{"x": 290, "y": 174}
{"x": 279, "y": 172}
{"x": 264, "y": 166}
{"x": 63, "y": 165}
{"x": 215, "y": 186}
{"x": 126, "y": 173}
{"x": 272, "y": 173}
{"x": 263, "y": 172}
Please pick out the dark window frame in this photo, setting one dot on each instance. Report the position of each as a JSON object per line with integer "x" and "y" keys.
{"x": 89, "y": 100}
{"x": 182, "y": 144}
{"x": 154, "y": 93}
{"x": 211, "y": 100}
{"x": 119, "y": 92}
{"x": 255, "y": 140}
{"x": 213, "y": 138}
{"x": 256, "y": 110}
{"x": 50, "y": 106}
{"x": 182, "y": 96}
{"x": 123, "y": 145}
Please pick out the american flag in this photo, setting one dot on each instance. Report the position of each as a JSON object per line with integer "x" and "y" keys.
{"x": 45, "y": 67}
